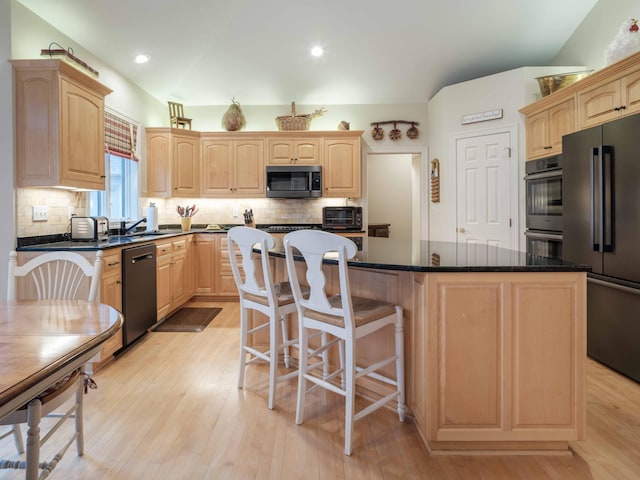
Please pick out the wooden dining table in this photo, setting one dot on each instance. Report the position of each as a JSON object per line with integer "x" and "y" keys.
{"x": 42, "y": 341}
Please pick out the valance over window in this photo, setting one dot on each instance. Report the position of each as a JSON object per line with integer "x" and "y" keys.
{"x": 120, "y": 136}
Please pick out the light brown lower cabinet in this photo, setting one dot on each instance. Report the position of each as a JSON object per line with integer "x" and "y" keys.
{"x": 505, "y": 360}
{"x": 213, "y": 276}
{"x": 174, "y": 274}
{"x": 111, "y": 294}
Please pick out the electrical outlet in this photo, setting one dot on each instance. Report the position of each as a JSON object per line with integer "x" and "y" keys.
{"x": 39, "y": 213}
{"x": 235, "y": 211}
{"x": 70, "y": 211}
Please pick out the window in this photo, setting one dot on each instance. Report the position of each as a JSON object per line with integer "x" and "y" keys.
{"x": 119, "y": 200}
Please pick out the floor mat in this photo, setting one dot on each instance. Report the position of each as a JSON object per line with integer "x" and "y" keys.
{"x": 187, "y": 320}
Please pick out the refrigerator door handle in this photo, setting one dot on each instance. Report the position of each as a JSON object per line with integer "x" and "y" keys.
{"x": 615, "y": 286}
{"x": 596, "y": 200}
{"x": 607, "y": 199}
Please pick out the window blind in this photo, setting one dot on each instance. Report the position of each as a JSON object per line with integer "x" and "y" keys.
{"x": 120, "y": 136}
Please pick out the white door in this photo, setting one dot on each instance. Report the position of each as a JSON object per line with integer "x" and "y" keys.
{"x": 483, "y": 166}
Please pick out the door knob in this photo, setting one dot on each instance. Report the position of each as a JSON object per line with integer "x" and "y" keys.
{"x": 461, "y": 230}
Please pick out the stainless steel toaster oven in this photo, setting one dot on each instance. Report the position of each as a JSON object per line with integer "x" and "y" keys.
{"x": 94, "y": 229}
{"x": 342, "y": 218}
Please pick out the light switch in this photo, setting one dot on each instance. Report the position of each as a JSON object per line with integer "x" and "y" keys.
{"x": 39, "y": 213}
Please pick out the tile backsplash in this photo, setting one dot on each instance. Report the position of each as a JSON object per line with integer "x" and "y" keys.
{"x": 62, "y": 203}
{"x": 59, "y": 203}
{"x": 265, "y": 210}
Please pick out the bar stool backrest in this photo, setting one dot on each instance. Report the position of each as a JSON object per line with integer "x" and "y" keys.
{"x": 249, "y": 279}
{"x": 315, "y": 246}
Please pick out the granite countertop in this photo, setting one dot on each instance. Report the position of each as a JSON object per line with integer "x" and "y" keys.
{"x": 429, "y": 256}
{"x": 377, "y": 252}
{"x": 61, "y": 241}
{"x": 112, "y": 242}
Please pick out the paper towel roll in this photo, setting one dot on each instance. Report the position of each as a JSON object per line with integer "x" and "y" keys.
{"x": 152, "y": 218}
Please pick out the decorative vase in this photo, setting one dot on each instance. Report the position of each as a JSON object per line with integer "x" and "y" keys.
{"x": 185, "y": 222}
{"x": 233, "y": 119}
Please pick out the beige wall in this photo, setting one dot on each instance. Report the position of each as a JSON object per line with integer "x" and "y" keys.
{"x": 511, "y": 91}
{"x": 589, "y": 42}
{"x": 389, "y": 179}
{"x": 508, "y": 91}
{"x": 262, "y": 118}
{"x": 7, "y": 199}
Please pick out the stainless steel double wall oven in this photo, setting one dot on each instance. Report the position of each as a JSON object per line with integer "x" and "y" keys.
{"x": 543, "y": 183}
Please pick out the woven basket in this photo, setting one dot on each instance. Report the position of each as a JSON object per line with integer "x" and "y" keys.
{"x": 296, "y": 122}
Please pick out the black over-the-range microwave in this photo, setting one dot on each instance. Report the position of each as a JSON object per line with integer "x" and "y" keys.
{"x": 294, "y": 181}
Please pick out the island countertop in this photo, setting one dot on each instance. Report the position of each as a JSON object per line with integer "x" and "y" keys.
{"x": 379, "y": 253}
{"x": 431, "y": 256}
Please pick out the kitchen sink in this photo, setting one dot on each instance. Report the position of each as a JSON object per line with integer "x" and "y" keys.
{"x": 120, "y": 239}
{"x": 156, "y": 233}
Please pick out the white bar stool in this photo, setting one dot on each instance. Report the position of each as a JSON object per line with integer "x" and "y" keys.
{"x": 258, "y": 292}
{"x": 346, "y": 318}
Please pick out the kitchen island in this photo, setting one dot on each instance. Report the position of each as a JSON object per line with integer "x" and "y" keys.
{"x": 495, "y": 341}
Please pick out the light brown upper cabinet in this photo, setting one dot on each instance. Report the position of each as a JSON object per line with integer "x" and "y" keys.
{"x": 610, "y": 93}
{"x": 610, "y": 99}
{"x": 341, "y": 167}
{"x": 300, "y": 151}
{"x": 59, "y": 113}
{"x": 158, "y": 163}
{"x": 185, "y": 173}
{"x": 232, "y": 164}
{"x": 173, "y": 163}
{"x": 546, "y": 128}
{"x": 232, "y": 167}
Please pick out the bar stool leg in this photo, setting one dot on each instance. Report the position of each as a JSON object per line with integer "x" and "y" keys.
{"x": 243, "y": 343}
{"x": 274, "y": 349}
{"x": 285, "y": 340}
{"x": 303, "y": 340}
{"x": 350, "y": 394}
{"x": 399, "y": 337}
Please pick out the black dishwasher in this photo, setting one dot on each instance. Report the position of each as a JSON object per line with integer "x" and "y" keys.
{"x": 138, "y": 291}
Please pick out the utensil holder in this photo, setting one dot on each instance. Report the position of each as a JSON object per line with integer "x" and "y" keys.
{"x": 185, "y": 223}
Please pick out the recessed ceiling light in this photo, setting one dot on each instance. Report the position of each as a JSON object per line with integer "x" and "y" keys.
{"x": 142, "y": 58}
{"x": 317, "y": 51}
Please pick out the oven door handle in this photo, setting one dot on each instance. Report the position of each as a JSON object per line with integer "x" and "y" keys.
{"x": 543, "y": 236}
{"x": 543, "y": 175}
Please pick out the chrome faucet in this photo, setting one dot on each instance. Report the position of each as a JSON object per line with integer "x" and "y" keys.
{"x": 124, "y": 230}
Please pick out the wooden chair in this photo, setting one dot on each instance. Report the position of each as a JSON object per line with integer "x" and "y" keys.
{"x": 258, "y": 292}
{"x": 346, "y": 317}
{"x": 54, "y": 275}
{"x": 176, "y": 116}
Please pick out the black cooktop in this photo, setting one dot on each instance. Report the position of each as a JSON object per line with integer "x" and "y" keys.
{"x": 291, "y": 227}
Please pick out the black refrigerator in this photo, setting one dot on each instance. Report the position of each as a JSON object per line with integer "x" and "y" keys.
{"x": 601, "y": 217}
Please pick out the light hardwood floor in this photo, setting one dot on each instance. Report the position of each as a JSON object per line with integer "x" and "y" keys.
{"x": 169, "y": 408}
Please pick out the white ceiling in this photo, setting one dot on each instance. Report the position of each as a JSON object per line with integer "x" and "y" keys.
{"x": 204, "y": 52}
